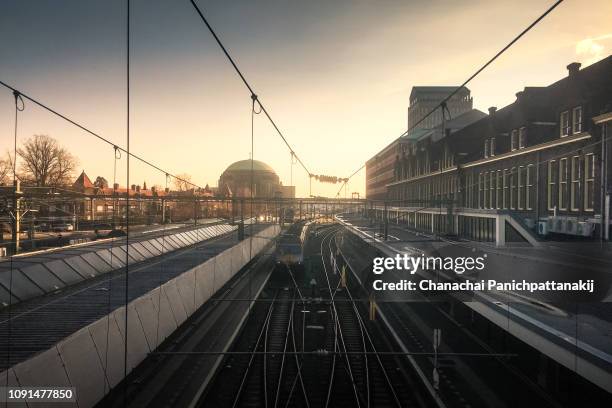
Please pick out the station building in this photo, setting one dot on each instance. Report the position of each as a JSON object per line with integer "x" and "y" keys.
{"x": 542, "y": 160}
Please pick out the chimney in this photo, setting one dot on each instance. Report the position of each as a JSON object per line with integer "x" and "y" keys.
{"x": 116, "y": 186}
{"x": 573, "y": 68}
{"x": 133, "y": 187}
{"x": 492, "y": 110}
{"x": 167, "y": 190}
{"x": 519, "y": 96}
{"x": 153, "y": 189}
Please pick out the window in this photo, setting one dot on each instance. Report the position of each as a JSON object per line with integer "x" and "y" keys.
{"x": 506, "y": 187}
{"x": 513, "y": 188}
{"x": 522, "y": 138}
{"x": 480, "y": 190}
{"x": 552, "y": 183}
{"x": 577, "y": 119}
{"x": 471, "y": 187}
{"x": 492, "y": 147}
{"x": 589, "y": 178}
{"x": 530, "y": 187}
{"x": 521, "y": 184}
{"x": 492, "y": 189}
{"x": 564, "y": 124}
{"x": 485, "y": 190}
{"x": 563, "y": 184}
{"x": 575, "y": 187}
{"x": 486, "y": 148}
{"x": 514, "y": 140}
{"x": 498, "y": 192}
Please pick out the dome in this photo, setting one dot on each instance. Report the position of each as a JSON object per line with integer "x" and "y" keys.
{"x": 245, "y": 165}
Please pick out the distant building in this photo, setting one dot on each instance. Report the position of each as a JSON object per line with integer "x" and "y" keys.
{"x": 236, "y": 181}
{"x": 380, "y": 169}
{"x": 425, "y": 98}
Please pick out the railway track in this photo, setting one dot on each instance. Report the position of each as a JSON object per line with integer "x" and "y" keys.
{"x": 305, "y": 352}
{"x": 374, "y": 378}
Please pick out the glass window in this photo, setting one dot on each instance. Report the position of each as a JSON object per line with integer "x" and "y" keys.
{"x": 575, "y": 187}
{"x": 552, "y": 182}
{"x": 521, "y": 184}
{"x": 530, "y": 190}
{"x": 564, "y": 124}
{"x": 485, "y": 189}
{"x": 480, "y": 190}
{"x": 492, "y": 190}
{"x": 486, "y": 148}
{"x": 589, "y": 179}
{"x": 514, "y": 140}
{"x": 563, "y": 184}
{"x": 498, "y": 192}
{"x": 492, "y": 147}
{"x": 513, "y": 188}
{"x": 522, "y": 141}
{"x": 577, "y": 119}
{"x": 506, "y": 187}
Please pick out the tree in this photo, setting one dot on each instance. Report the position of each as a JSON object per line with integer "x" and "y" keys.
{"x": 100, "y": 182}
{"x": 6, "y": 170}
{"x": 182, "y": 182}
{"x": 45, "y": 162}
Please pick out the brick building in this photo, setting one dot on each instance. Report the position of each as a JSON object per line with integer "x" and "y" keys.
{"x": 541, "y": 159}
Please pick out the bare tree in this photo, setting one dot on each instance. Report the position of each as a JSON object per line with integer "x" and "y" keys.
{"x": 6, "y": 169}
{"x": 45, "y": 162}
{"x": 182, "y": 182}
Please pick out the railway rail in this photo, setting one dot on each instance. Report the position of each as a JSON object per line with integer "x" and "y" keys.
{"x": 311, "y": 352}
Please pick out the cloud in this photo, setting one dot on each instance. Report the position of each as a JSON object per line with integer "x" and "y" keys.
{"x": 593, "y": 49}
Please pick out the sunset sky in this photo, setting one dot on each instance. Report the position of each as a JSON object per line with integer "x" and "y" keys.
{"x": 335, "y": 75}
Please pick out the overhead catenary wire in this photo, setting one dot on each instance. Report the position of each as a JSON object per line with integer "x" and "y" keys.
{"x": 93, "y": 133}
{"x": 442, "y": 103}
{"x": 248, "y": 85}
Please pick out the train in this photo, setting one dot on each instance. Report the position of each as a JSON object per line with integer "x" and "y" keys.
{"x": 290, "y": 246}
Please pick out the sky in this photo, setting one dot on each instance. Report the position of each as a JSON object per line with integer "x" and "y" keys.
{"x": 334, "y": 75}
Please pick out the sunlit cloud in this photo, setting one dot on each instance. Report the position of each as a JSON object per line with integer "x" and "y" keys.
{"x": 593, "y": 49}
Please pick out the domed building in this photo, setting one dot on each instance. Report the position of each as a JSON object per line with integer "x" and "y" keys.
{"x": 235, "y": 181}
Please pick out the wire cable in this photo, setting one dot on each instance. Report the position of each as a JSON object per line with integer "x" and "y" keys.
{"x": 246, "y": 83}
{"x": 91, "y": 132}
{"x": 471, "y": 77}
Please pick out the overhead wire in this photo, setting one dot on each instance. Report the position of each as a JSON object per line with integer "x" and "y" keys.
{"x": 93, "y": 133}
{"x": 248, "y": 85}
{"x": 442, "y": 103}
